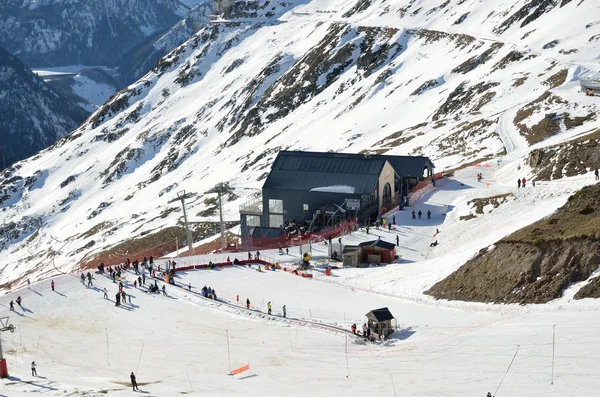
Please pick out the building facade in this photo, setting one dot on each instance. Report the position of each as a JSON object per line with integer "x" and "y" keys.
{"x": 314, "y": 190}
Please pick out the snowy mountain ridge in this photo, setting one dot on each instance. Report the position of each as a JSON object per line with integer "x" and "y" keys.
{"x": 459, "y": 81}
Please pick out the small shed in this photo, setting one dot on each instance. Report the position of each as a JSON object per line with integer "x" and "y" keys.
{"x": 378, "y": 251}
{"x": 352, "y": 255}
{"x": 380, "y": 322}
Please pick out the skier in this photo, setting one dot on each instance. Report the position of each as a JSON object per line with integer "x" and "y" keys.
{"x": 134, "y": 283}
{"x": 284, "y": 312}
{"x": 105, "y": 293}
{"x": 118, "y": 299}
{"x": 114, "y": 276}
{"x": 19, "y": 301}
{"x": 249, "y": 256}
{"x": 124, "y": 296}
{"x": 164, "y": 289}
{"x": 394, "y": 219}
{"x": 364, "y": 328}
{"x": 269, "y": 307}
{"x": 139, "y": 280}
{"x": 257, "y": 255}
{"x": 353, "y": 328}
{"x": 12, "y": 306}
{"x": 82, "y": 279}
{"x": 134, "y": 382}
{"x": 389, "y": 226}
{"x": 533, "y": 182}
{"x": 52, "y": 284}
{"x": 518, "y": 183}
{"x": 414, "y": 216}
{"x": 397, "y": 241}
{"x": 523, "y": 182}
{"x": 428, "y": 214}
{"x": 287, "y": 251}
{"x": 33, "y": 371}
{"x": 247, "y": 303}
{"x": 420, "y": 213}
{"x": 143, "y": 278}
{"x": 89, "y": 276}
{"x": 597, "y": 174}
{"x": 189, "y": 286}
{"x": 489, "y": 395}
{"x": 129, "y": 298}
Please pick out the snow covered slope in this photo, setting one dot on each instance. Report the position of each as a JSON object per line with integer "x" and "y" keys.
{"x": 178, "y": 345}
{"x": 91, "y": 32}
{"x": 32, "y": 114}
{"x": 454, "y": 80}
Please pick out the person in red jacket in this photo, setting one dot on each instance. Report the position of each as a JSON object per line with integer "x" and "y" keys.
{"x": 523, "y": 182}
{"x": 52, "y": 284}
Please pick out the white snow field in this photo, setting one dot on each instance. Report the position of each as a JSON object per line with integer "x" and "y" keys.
{"x": 84, "y": 345}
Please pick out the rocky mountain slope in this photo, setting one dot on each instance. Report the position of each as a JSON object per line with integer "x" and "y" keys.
{"x": 137, "y": 62}
{"x": 34, "y": 115}
{"x": 48, "y": 33}
{"x": 537, "y": 263}
{"x": 456, "y": 80}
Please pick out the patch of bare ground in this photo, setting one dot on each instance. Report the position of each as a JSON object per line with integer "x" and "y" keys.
{"x": 576, "y": 157}
{"x": 537, "y": 263}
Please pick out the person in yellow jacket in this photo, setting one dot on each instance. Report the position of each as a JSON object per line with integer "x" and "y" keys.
{"x": 269, "y": 307}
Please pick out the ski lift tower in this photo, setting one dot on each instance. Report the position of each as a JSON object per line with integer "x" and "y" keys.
{"x": 4, "y": 326}
{"x": 181, "y": 196}
{"x": 220, "y": 189}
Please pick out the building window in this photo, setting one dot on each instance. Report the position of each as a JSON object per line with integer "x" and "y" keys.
{"x": 305, "y": 207}
{"x": 275, "y": 220}
{"x": 252, "y": 220}
{"x": 276, "y": 206}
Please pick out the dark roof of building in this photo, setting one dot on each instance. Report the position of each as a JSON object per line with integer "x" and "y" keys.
{"x": 324, "y": 171}
{"x": 297, "y": 170}
{"x": 378, "y": 243}
{"x": 380, "y": 315}
{"x": 350, "y": 249}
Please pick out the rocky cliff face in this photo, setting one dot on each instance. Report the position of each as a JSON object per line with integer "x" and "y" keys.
{"x": 33, "y": 115}
{"x": 47, "y": 33}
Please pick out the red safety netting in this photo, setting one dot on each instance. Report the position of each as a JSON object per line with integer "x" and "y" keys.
{"x": 294, "y": 240}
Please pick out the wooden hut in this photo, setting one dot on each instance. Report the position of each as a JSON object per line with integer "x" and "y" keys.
{"x": 380, "y": 322}
{"x": 378, "y": 251}
{"x": 352, "y": 255}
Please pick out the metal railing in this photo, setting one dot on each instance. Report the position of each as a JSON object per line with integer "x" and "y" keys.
{"x": 254, "y": 206}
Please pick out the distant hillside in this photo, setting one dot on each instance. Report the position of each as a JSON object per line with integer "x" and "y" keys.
{"x": 536, "y": 263}
{"x": 140, "y": 60}
{"x": 48, "y": 33}
{"x": 34, "y": 115}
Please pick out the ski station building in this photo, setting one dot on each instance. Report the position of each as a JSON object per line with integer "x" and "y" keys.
{"x": 312, "y": 191}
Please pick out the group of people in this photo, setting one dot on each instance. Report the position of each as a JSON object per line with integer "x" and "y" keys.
{"x": 522, "y": 182}
{"x": 366, "y": 331}
{"x": 89, "y": 279}
{"x": 208, "y": 292}
{"x": 479, "y": 176}
{"x": 12, "y": 304}
{"x": 420, "y": 214}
